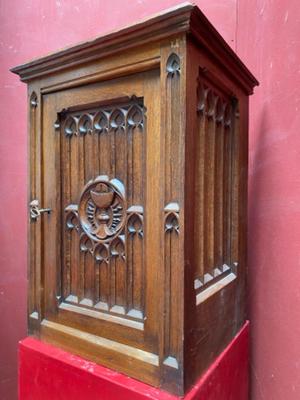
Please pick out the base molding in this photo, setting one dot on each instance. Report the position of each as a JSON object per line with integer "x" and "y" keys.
{"x": 47, "y": 372}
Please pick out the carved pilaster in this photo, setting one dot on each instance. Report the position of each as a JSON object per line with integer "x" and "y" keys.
{"x": 173, "y": 119}
{"x": 35, "y": 227}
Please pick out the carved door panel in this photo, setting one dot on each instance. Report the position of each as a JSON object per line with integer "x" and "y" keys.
{"x": 101, "y": 166}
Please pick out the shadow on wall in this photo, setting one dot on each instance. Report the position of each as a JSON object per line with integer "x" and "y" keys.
{"x": 256, "y": 188}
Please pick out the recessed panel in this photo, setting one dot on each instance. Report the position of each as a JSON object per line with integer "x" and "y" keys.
{"x": 102, "y": 189}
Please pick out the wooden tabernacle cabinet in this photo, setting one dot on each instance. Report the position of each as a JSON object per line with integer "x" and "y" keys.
{"x": 138, "y": 195}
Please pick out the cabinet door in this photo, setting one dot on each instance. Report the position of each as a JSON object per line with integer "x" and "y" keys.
{"x": 100, "y": 254}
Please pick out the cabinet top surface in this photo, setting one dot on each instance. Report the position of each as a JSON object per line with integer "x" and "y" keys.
{"x": 183, "y": 18}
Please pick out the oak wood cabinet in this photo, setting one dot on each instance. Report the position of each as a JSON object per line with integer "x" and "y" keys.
{"x": 138, "y": 197}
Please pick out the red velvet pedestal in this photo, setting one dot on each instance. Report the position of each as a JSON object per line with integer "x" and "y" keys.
{"x": 46, "y": 372}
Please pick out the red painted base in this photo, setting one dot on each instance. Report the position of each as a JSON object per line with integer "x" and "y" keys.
{"x": 46, "y": 372}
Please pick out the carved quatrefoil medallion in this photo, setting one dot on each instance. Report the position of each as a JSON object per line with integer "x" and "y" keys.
{"x": 101, "y": 208}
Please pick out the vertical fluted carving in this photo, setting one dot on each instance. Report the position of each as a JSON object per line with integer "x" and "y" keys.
{"x": 214, "y": 185}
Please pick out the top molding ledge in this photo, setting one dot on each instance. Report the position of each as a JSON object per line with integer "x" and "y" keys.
{"x": 184, "y": 18}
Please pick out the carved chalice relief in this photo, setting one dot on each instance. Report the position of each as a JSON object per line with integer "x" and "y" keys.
{"x": 102, "y": 209}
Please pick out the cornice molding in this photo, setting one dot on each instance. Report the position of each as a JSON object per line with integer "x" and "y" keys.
{"x": 184, "y": 18}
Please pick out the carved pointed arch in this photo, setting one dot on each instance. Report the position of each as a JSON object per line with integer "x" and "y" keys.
{"x": 33, "y": 100}
{"x": 173, "y": 65}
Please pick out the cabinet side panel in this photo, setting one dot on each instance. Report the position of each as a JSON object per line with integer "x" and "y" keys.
{"x": 215, "y": 220}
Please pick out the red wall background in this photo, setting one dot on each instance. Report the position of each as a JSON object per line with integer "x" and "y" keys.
{"x": 265, "y": 34}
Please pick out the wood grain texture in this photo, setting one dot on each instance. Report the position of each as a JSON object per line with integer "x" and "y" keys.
{"x": 103, "y": 229}
{"x": 217, "y": 146}
{"x": 173, "y": 86}
{"x": 138, "y": 187}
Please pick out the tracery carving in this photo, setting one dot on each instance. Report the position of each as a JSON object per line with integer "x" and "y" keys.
{"x": 102, "y": 119}
{"x": 117, "y": 247}
{"x": 135, "y": 221}
{"x": 213, "y": 105}
{"x": 172, "y": 218}
{"x": 86, "y": 244}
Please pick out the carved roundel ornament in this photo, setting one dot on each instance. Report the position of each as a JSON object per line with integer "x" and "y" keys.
{"x": 101, "y": 209}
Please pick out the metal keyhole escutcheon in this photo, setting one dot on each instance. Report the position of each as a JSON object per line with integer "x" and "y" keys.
{"x": 36, "y": 211}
